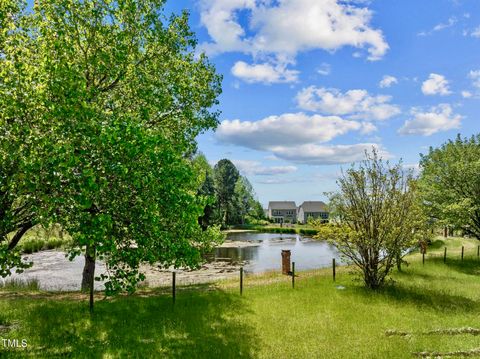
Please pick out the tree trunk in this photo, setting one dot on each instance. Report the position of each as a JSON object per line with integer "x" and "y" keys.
{"x": 88, "y": 277}
{"x": 19, "y": 234}
{"x": 399, "y": 262}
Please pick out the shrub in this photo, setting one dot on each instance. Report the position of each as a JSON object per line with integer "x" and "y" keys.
{"x": 53, "y": 243}
{"x": 308, "y": 232}
{"x": 32, "y": 245}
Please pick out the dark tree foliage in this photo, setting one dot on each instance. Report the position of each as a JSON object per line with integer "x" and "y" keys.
{"x": 226, "y": 176}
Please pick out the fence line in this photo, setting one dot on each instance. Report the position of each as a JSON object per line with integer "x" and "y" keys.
{"x": 446, "y": 255}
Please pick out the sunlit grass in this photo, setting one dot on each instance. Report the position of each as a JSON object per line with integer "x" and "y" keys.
{"x": 318, "y": 319}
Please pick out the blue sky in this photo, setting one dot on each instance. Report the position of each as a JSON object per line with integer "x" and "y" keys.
{"x": 310, "y": 84}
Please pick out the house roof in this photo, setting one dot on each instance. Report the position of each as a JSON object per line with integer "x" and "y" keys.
{"x": 282, "y": 205}
{"x": 314, "y": 206}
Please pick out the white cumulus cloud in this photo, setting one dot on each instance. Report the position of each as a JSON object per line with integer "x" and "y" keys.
{"x": 288, "y": 129}
{"x": 287, "y": 27}
{"x": 357, "y": 104}
{"x": 436, "y": 85}
{"x": 388, "y": 81}
{"x": 297, "y": 138}
{"x": 264, "y": 73}
{"x": 436, "y": 119}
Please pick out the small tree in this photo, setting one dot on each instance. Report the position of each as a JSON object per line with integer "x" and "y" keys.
{"x": 374, "y": 217}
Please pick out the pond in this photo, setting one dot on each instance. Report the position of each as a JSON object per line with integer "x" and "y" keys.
{"x": 263, "y": 251}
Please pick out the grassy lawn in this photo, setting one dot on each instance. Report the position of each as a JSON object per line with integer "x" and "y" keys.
{"x": 271, "y": 320}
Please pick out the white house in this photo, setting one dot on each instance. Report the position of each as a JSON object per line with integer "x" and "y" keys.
{"x": 312, "y": 209}
{"x": 282, "y": 211}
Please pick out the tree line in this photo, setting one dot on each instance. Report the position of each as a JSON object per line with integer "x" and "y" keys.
{"x": 232, "y": 199}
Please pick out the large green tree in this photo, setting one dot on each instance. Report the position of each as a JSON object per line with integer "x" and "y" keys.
{"x": 245, "y": 205}
{"x": 450, "y": 184}
{"x": 21, "y": 128}
{"x": 124, "y": 97}
{"x": 206, "y": 191}
{"x": 226, "y": 176}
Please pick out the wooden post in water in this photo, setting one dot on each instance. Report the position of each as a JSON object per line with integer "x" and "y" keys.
{"x": 174, "y": 289}
{"x": 293, "y": 274}
{"x": 463, "y": 248}
{"x": 333, "y": 268}
{"x": 445, "y": 255}
{"x": 241, "y": 281}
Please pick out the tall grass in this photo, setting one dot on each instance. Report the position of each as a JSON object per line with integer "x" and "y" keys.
{"x": 33, "y": 245}
{"x": 29, "y": 284}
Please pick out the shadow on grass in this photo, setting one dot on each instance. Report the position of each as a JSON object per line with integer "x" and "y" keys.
{"x": 200, "y": 325}
{"x": 437, "y": 244}
{"x": 406, "y": 290}
{"x": 429, "y": 299}
{"x": 423, "y": 298}
{"x": 469, "y": 265}
{"x": 407, "y": 275}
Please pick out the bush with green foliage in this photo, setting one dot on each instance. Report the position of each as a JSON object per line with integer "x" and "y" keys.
{"x": 375, "y": 218}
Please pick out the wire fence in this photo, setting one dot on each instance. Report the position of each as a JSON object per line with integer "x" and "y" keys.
{"x": 292, "y": 272}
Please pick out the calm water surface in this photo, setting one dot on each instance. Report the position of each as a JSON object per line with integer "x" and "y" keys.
{"x": 306, "y": 252}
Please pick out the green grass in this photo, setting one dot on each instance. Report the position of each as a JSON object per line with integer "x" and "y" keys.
{"x": 35, "y": 245}
{"x": 271, "y": 320}
{"x": 19, "y": 284}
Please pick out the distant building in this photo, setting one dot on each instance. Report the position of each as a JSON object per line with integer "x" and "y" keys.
{"x": 312, "y": 209}
{"x": 282, "y": 211}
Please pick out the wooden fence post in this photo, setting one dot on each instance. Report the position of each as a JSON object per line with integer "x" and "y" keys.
{"x": 174, "y": 285}
{"x": 241, "y": 281}
{"x": 445, "y": 255}
{"x": 478, "y": 251}
{"x": 423, "y": 258}
{"x": 333, "y": 268}
{"x": 463, "y": 248}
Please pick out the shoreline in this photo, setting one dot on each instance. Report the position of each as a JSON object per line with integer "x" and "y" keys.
{"x": 228, "y": 231}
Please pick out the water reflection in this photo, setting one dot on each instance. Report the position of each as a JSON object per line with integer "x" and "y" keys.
{"x": 266, "y": 253}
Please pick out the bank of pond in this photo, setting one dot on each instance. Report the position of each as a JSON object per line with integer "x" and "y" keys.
{"x": 277, "y": 229}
